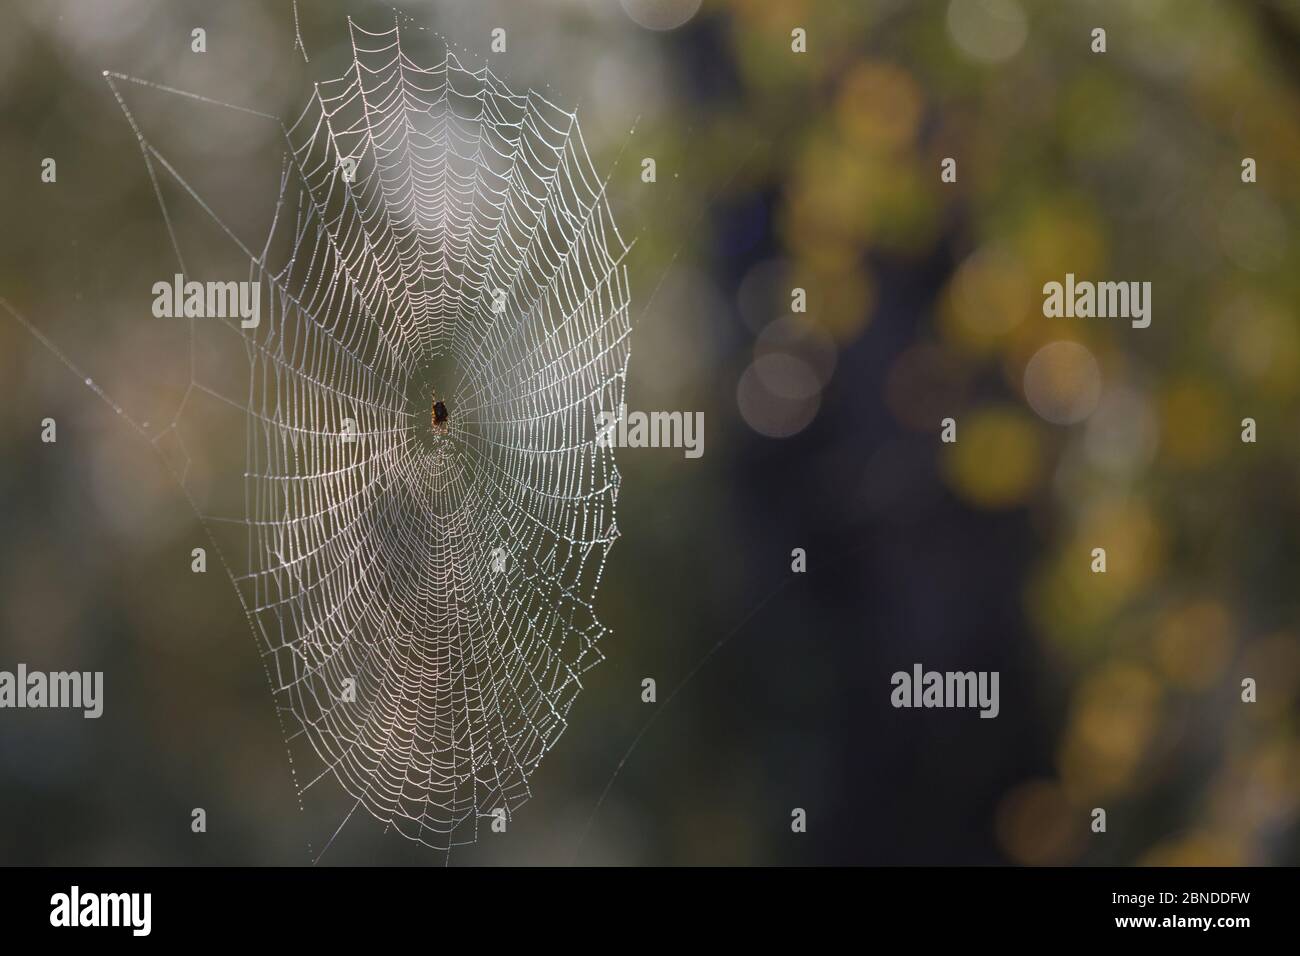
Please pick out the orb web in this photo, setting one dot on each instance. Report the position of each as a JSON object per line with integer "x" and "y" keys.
{"x": 422, "y": 591}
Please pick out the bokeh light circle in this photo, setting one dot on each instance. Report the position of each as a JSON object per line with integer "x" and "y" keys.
{"x": 778, "y": 395}
{"x": 1063, "y": 383}
{"x": 989, "y": 31}
{"x": 661, "y": 14}
{"x": 1123, "y": 433}
{"x": 997, "y": 460}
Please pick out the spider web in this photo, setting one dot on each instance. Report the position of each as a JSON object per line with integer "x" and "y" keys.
{"x": 423, "y": 594}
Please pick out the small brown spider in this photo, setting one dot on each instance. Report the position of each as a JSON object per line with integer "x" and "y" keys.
{"x": 439, "y": 418}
